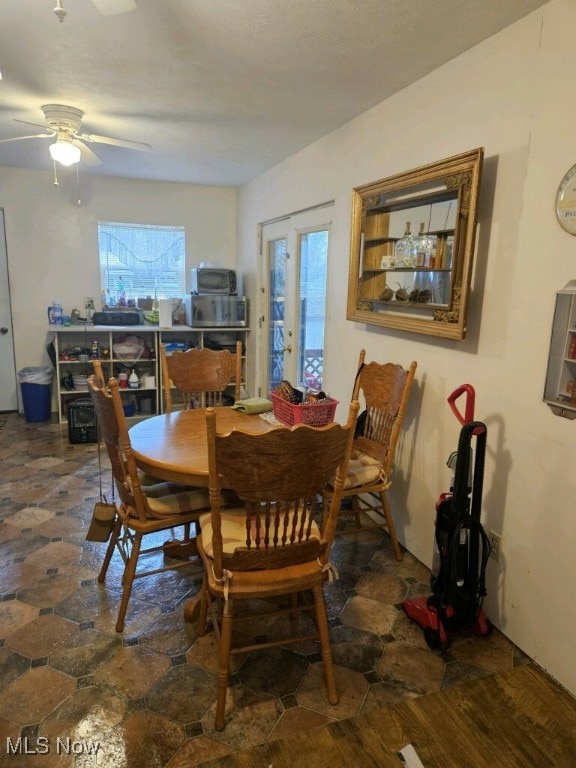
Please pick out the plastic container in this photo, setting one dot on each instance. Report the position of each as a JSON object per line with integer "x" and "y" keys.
{"x": 165, "y": 313}
{"x": 145, "y": 403}
{"x": 129, "y": 408}
{"x": 314, "y": 414}
{"x": 36, "y": 388}
{"x": 133, "y": 380}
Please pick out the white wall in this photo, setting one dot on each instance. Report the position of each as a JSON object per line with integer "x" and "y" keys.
{"x": 52, "y": 240}
{"x": 513, "y": 95}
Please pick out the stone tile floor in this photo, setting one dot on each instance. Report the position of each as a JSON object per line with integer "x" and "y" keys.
{"x": 69, "y": 682}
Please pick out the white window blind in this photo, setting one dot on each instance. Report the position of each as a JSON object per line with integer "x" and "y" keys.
{"x": 141, "y": 260}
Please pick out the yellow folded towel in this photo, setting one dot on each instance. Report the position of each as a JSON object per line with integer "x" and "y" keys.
{"x": 253, "y": 405}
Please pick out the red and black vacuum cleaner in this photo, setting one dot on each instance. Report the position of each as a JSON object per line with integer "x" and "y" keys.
{"x": 461, "y": 547}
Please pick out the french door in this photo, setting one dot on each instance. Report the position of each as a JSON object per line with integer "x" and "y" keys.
{"x": 294, "y": 264}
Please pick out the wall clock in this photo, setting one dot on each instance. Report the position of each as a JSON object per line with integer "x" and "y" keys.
{"x": 566, "y": 202}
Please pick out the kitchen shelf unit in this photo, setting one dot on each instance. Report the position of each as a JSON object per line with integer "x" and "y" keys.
{"x": 68, "y": 339}
{"x": 143, "y": 401}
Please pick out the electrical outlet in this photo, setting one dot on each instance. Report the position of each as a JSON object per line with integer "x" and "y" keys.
{"x": 495, "y": 545}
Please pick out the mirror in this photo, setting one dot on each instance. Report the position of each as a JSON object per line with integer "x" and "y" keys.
{"x": 412, "y": 247}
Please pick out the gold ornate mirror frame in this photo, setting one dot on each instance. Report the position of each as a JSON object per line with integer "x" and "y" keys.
{"x": 412, "y": 246}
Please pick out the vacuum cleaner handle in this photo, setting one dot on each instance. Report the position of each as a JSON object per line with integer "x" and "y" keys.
{"x": 468, "y": 415}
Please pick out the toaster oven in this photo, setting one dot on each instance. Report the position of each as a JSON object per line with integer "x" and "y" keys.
{"x": 213, "y": 280}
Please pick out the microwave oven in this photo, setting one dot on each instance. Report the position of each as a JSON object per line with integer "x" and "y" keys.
{"x": 214, "y": 311}
{"x": 213, "y": 280}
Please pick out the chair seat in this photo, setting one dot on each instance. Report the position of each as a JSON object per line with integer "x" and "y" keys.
{"x": 267, "y": 583}
{"x": 179, "y": 503}
{"x": 233, "y": 527}
{"x": 165, "y": 488}
{"x": 167, "y": 499}
{"x": 152, "y": 486}
{"x": 362, "y": 470}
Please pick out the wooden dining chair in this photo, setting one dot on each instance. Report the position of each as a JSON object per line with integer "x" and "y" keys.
{"x": 271, "y": 547}
{"x": 385, "y": 389}
{"x": 200, "y": 376}
{"x": 97, "y": 368}
{"x": 146, "y": 480}
{"x": 141, "y": 510}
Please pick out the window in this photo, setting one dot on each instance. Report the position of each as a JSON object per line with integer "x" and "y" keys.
{"x": 141, "y": 261}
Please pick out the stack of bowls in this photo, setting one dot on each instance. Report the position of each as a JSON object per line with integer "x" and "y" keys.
{"x": 80, "y": 382}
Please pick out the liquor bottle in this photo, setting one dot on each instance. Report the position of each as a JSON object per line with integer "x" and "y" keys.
{"x": 432, "y": 257}
{"x": 403, "y": 250}
{"x": 95, "y": 349}
{"x": 424, "y": 248}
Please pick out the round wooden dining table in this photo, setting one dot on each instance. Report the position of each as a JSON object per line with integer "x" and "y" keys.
{"x": 173, "y": 446}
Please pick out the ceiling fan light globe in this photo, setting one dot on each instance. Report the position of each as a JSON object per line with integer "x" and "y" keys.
{"x": 65, "y": 153}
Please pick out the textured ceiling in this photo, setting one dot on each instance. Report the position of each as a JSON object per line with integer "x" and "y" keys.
{"x": 221, "y": 89}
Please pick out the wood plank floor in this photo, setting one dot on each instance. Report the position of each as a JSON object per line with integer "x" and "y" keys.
{"x": 515, "y": 719}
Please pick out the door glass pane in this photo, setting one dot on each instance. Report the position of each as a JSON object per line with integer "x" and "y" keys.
{"x": 277, "y": 287}
{"x": 313, "y": 269}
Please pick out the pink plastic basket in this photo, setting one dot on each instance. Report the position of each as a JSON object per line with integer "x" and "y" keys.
{"x": 314, "y": 414}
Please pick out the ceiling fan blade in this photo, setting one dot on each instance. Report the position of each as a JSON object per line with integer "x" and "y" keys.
{"x": 115, "y": 142}
{"x": 36, "y": 136}
{"x": 89, "y": 157}
{"x": 27, "y": 122}
{"x": 112, "y": 7}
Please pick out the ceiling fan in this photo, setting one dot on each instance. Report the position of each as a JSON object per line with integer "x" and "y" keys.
{"x": 106, "y": 7}
{"x": 63, "y": 123}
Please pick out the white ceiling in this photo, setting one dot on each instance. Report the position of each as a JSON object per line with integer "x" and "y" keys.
{"x": 221, "y": 89}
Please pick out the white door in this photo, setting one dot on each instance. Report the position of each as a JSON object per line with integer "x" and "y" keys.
{"x": 294, "y": 264}
{"x": 8, "y": 386}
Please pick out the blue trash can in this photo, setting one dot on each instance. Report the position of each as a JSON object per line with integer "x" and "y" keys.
{"x": 36, "y": 388}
